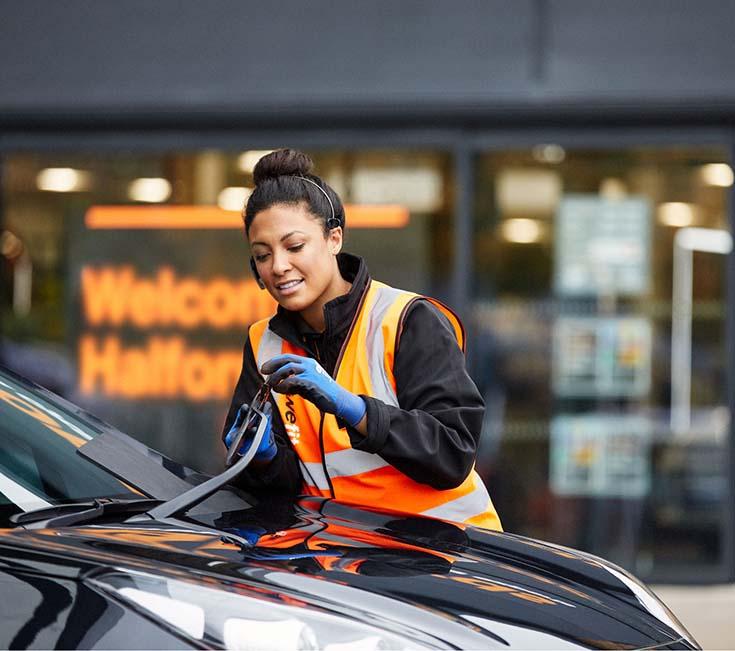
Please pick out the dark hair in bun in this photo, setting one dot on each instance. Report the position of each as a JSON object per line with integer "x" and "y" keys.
{"x": 283, "y": 162}
{"x": 283, "y": 176}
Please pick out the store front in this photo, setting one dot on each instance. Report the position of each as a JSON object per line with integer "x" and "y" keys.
{"x": 608, "y": 413}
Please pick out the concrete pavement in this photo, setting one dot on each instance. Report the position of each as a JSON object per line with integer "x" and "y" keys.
{"x": 708, "y": 612}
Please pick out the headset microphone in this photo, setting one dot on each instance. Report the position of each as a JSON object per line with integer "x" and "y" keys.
{"x": 254, "y": 269}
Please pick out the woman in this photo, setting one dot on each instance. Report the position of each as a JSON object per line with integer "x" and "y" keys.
{"x": 373, "y": 404}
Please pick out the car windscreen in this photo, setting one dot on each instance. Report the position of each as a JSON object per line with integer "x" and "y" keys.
{"x": 38, "y": 453}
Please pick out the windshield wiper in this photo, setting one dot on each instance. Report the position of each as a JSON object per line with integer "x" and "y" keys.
{"x": 188, "y": 500}
{"x": 66, "y": 515}
{"x": 142, "y": 510}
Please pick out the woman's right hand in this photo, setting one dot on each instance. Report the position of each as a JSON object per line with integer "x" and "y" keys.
{"x": 267, "y": 448}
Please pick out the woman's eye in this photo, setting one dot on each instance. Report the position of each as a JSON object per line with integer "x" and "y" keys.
{"x": 296, "y": 247}
{"x": 261, "y": 258}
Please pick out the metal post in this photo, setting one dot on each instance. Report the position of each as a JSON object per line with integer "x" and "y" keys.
{"x": 681, "y": 340}
{"x": 463, "y": 250}
{"x": 686, "y": 241}
{"x": 728, "y": 532}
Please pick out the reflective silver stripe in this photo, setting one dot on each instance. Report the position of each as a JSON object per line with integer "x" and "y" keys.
{"x": 20, "y": 496}
{"x": 382, "y": 389}
{"x": 270, "y": 346}
{"x": 313, "y": 475}
{"x": 345, "y": 463}
{"x": 474, "y": 503}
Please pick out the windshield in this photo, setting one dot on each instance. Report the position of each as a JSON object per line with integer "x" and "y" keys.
{"x": 39, "y": 465}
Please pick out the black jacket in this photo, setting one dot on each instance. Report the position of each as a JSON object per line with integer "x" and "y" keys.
{"x": 432, "y": 437}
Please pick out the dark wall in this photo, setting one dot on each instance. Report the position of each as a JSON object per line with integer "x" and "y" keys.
{"x": 291, "y": 59}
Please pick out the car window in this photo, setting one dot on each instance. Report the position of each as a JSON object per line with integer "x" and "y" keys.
{"x": 38, "y": 458}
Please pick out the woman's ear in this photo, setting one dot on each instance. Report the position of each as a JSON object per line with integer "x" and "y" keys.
{"x": 334, "y": 240}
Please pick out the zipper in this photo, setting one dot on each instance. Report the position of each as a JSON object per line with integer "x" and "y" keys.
{"x": 334, "y": 377}
{"x": 321, "y": 430}
{"x": 317, "y": 352}
{"x": 351, "y": 328}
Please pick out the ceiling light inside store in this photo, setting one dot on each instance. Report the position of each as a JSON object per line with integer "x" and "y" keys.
{"x": 528, "y": 192}
{"x": 521, "y": 231}
{"x": 63, "y": 179}
{"x": 233, "y": 198}
{"x": 247, "y": 160}
{"x": 613, "y": 188}
{"x": 548, "y": 154}
{"x": 149, "y": 190}
{"x": 717, "y": 174}
{"x": 676, "y": 214}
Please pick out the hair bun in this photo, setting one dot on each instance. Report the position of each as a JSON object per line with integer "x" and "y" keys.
{"x": 282, "y": 162}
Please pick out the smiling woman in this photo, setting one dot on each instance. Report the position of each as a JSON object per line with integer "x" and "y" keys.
{"x": 370, "y": 379}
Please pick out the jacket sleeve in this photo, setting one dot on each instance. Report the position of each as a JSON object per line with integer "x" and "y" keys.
{"x": 282, "y": 475}
{"x": 432, "y": 436}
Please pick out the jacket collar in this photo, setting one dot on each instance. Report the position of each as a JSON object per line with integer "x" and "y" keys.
{"x": 338, "y": 312}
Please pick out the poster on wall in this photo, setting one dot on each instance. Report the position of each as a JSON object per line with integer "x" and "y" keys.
{"x": 600, "y": 455}
{"x": 601, "y": 357}
{"x": 602, "y": 246}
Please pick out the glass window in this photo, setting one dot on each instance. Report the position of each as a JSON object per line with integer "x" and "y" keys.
{"x": 577, "y": 256}
{"x": 125, "y": 278}
{"x": 38, "y": 444}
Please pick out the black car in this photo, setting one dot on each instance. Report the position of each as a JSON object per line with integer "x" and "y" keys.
{"x": 104, "y": 543}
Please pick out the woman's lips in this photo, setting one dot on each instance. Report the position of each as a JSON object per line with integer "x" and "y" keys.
{"x": 289, "y": 287}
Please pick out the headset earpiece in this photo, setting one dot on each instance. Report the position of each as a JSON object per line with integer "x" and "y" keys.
{"x": 333, "y": 222}
{"x": 254, "y": 269}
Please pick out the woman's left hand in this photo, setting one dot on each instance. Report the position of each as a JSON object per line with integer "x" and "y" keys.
{"x": 305, "y": 377}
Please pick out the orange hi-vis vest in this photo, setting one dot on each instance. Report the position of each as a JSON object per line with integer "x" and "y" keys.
{"x": 330, "y": 466}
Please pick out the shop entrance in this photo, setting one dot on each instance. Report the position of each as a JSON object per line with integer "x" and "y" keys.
{"x": 599, "y": 313}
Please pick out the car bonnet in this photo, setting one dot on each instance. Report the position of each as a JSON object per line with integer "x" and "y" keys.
{"x": 457, "y": 582}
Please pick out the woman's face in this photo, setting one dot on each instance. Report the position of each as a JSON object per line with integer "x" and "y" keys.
{"x": 295, "y": 260}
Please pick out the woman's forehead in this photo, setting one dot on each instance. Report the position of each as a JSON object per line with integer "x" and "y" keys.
{"x": 280, "y": 219}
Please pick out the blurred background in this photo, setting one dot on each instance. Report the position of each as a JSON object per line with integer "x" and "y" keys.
{"x": 558, "y": 171}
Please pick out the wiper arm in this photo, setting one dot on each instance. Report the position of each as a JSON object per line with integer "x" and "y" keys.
{"x": 66, "y": 515}
{"x": 194, "y": 496}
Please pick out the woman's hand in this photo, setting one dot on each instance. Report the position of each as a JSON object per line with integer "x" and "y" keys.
{"x": 305, "y": 377}
{"x": 267, "y": 448}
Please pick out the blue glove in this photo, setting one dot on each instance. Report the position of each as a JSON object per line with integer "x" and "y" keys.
{"x": 267, "y": 448}
{"x": 250, "y": 532}
{"x": 304, "y": 376}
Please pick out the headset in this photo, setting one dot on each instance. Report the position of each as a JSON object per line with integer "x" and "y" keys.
{"x": 254, "y": 269}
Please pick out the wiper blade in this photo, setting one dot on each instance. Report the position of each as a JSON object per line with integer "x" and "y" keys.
{"x": 66, "y": 515}
{"x": 188, "y": 500}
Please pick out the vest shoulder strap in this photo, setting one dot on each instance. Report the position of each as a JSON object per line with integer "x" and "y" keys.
{"x": 265, "y": 343}
{"x": 454, "y": 320}
{"x": 257, "y": 329}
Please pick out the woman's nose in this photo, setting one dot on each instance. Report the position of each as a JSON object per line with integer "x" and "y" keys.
{"x": 281, "y": 263}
